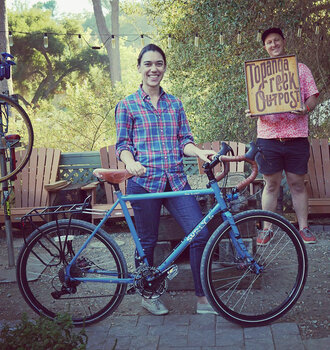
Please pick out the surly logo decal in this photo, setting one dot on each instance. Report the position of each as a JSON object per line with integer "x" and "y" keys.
{"x": 199, "y": 228}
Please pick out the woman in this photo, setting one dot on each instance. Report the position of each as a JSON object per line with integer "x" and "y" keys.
{"x": 152, "y": 136}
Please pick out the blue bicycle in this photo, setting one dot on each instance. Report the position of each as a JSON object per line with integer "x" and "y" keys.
{"x": 69, "y": 265}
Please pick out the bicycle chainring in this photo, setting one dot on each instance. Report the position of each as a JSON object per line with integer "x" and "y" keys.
{"x": 147, "y": 284}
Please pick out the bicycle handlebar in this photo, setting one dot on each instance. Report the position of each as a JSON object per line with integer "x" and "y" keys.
{"x": 248, "y": 157}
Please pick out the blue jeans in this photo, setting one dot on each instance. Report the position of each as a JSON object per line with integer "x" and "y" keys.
{"x": 184, "y": 209}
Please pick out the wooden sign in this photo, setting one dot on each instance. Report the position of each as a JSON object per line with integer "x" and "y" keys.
{"x": 272, "y": 85}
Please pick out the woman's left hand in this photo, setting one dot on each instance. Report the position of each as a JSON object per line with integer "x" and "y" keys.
{"x": 206, "y": 154}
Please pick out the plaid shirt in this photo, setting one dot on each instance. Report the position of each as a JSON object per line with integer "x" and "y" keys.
{"x": 155, "y": 137}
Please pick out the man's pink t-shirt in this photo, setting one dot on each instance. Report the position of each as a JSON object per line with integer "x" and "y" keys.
{"x": 289, "y": 125}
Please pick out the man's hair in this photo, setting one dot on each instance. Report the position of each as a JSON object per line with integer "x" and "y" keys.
{"x": 269, "y": 31}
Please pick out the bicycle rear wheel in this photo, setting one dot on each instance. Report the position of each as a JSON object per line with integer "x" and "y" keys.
{"x": 16, "y": 135}
{"x": 41, "y": 271}
{"x": 238, "y": 293}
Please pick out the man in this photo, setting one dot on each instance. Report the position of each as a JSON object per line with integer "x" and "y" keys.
{"x": 283, "y": 139}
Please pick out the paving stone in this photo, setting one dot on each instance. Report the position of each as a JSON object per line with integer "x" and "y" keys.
{"x": 319, "y": 344}
{"x": 229, "y": 334}
{"x": 289, "y": 342}
{"x": 151, "y": 320}
{"x": 259, "y": 343}
{"x": 144, "y": 343}
{"x": 258, "y": 332}
{"x": 182, "y": 320}
{"x": 128, "y": 331}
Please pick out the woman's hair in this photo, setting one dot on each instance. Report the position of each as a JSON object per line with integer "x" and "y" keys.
{"x": 151, "y": 47}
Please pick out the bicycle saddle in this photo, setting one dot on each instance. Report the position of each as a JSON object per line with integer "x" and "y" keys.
{"x": 113, "y": 176}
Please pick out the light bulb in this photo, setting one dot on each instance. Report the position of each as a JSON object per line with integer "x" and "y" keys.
{"x": 196, "y": 40}
{"x": 169, "y": 41}
{"x": 10, "y": 37}
{"x": 45, "y": 41}
{"x": 221, "y": 39}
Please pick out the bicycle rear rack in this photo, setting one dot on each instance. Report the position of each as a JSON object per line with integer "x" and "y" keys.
{"x": 54, "y": 213}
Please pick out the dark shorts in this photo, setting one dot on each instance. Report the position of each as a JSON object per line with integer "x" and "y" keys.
{"x": 276, "y": 155}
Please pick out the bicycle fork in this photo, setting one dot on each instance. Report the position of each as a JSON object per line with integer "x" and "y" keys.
{"x": 240, "y": 247}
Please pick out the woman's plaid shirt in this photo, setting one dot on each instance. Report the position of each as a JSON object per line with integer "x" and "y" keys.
{"x": 155, "y": 137}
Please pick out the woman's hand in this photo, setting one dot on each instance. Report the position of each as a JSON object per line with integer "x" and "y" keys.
{"x": 135, "y": 168}
{"x": 132, "y": 166}
{"x": 206, "y": 154}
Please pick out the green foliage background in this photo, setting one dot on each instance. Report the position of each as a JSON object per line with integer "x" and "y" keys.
{"x": 210, "y": 79}
{"x": 67, "y": 88}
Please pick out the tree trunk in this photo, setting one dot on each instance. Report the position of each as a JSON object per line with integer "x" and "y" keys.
{"x": 5, "y": 84}
{"x": 115, "y": 31}
{"x": 105, "y": 35}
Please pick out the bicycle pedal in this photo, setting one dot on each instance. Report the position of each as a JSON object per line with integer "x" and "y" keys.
{"x": 172, "y": 272}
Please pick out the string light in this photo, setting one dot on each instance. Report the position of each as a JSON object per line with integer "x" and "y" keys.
{"x": 113, "y": 41}
{"x": 80, "y": 40}
{"x": 221, "y": 39}
{"x": 169, "y": 41}
{"x": 317, "y": 29}
{"x": 142, "y": 36}
{"x": 196, "y": 40}
{"x": 299, "y": 31}
{"x": 46, "y": 41}
{"x": 239, "y": 37}
{"x": 259, "y": 35}
{"x": 10, "y": 37}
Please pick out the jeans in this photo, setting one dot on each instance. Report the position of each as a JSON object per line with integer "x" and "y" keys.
{"x": 187, "y": 212}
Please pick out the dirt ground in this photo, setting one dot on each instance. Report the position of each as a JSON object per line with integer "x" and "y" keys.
{"x": 311, "y": 312}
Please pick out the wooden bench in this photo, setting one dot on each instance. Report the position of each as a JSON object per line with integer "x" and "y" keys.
{"x": 30, "y": 187}
{"x": 318, "y": 177}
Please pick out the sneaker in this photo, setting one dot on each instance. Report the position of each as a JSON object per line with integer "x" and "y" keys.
{"x": 205, "y": 309}
{"x": 154, "y": 306}
{"x": 307, "y": 235}
{"x": 264, "y": 237}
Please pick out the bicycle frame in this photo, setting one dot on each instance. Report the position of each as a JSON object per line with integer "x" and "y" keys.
{"x": 220, "y": 206}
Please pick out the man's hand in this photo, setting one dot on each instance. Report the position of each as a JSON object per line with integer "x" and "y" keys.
{"x": 249, "y": 115}
{"x": 301, "y": 111}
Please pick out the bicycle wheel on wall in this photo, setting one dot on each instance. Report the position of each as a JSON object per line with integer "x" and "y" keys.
{"x": 239, "y": 294}
{"x": 41, "y": 264}
{"x": 16, "y": 134}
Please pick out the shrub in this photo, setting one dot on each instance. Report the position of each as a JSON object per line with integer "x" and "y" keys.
{"x": 43, "y": 334}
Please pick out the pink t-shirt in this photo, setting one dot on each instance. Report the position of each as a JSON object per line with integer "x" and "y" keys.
{"x": 287, "y": 125}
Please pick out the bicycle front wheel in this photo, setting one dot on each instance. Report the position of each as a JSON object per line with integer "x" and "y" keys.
{"x": 16, "y": 136}
{"x": 231, "y": 285}
{"x": 41, "y": 272}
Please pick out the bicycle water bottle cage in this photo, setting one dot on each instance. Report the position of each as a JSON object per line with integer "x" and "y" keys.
{"x": 5, "y": 64}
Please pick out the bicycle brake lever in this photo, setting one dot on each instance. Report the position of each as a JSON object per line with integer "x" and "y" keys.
{"x": 253, "y": 150}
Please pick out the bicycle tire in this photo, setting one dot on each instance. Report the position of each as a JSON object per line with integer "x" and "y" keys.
{"x": 40, "y": 271}
{"x": 239, "y": 294}
{"x": 18, "y": 122}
